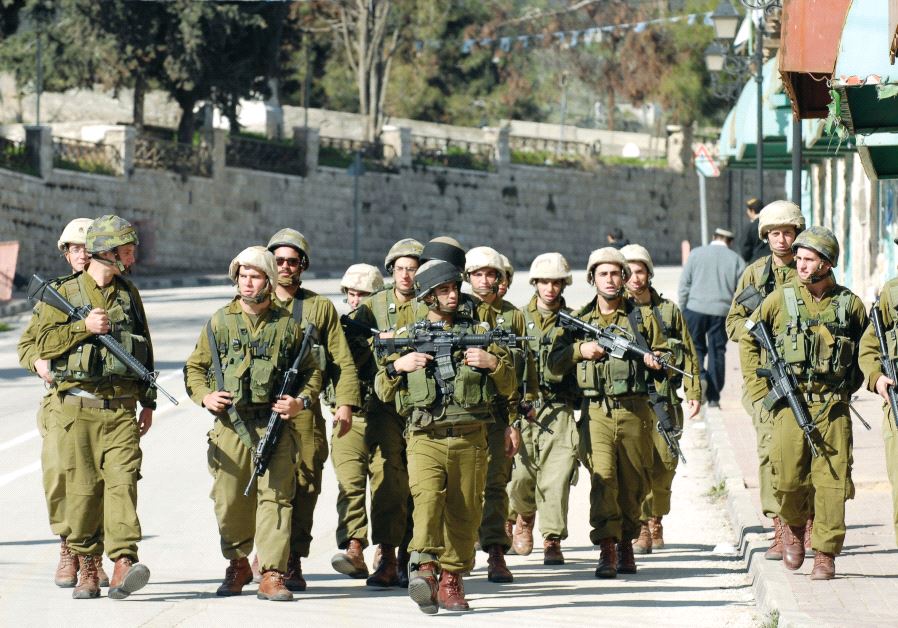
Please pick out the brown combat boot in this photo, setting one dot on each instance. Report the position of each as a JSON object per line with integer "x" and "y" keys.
{"x": 102, "y": 577}
{"x": 657, "y": 531}
{"x": 257, "y": 574}
{"x": 552, "y": 552}
{"x": 824, "y": 566}
{"x": 808, "y": 529}
{"x": 66, "y": 575}
{"x": 88, "y": 584}
{"x": 509, "y": 532}
{"x": 523, "y": 535}
{"x": 775, "y": 551}
{"x": 452, "y": 592}
{"x": 273, "y": 588}
{"x": 237, "y": 575}
{"x": 793, "y": 546}
{"x": 385, "y": 573}
{"x": 496, "y": 569}
{"x": 402, "y": 566}
{"x": 643, "y": 544}
{"x": 127, "y": 577}
{"x": 423, "y": 588}
{"x": 293, "y": 578}
{"x": 626, "y": 561}
{"x": 352, "y": 561}
{"x": 607, "y": 567}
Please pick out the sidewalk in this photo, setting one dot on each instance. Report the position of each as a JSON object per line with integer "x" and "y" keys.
{"x": 865, "y": 591}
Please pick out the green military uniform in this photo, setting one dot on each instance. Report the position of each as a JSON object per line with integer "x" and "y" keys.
{"x": 254, "y": 352}
{"x": 96, "y": 400}
{"x": 447, "y": 452}
{"x": 664, "y": 463}
{"x": 335, "y": 361}
{"x": 763, "y": 276}
{"x": 819, "y": 340}
{"x": 870, "y": 362}
{"x": 546, "y": 464}
{"x": 616, "y": 442}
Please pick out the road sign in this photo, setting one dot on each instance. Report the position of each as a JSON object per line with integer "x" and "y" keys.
{"x": 704, "y": 162}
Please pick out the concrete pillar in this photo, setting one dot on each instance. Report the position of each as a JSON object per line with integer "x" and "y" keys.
{"x": 219, "y": 152}
{"x": 498, "y": 137}
{"x": 308, "y": 137}
{"x": 39, "y": 146}
{"x": 122, "y": 139}
{"x": 398, "y": 144}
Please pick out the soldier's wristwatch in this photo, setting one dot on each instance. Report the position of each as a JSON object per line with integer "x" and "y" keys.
{"x": 392, "y": 373}
{"x": 306, "y": 401}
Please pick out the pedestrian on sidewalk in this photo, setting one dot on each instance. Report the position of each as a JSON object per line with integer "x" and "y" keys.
{"x": 706, "y": 289}
{"x": 616, "y": 239}
{"x": 753, "y": 246}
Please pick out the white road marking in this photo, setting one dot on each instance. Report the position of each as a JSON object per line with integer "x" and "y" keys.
{"x": 6, "y": 478}
{"x": 18, "y": 440}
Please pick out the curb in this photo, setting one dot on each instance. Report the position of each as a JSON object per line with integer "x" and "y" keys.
{"x": 769, "y": 579}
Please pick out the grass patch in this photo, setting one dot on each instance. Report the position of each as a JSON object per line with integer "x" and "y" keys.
{"x": 5, "y": 326}
{"x": 717, "y": 492}
{"x": 771, "y": 621}
{"x": 84, "y": 165}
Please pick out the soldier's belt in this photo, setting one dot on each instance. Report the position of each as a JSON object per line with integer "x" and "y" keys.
{"x": 450, "y": 432}
{"x": 813, "y": 397}
{"x": 100, "y": 404}
{"x": 615, "y": 403}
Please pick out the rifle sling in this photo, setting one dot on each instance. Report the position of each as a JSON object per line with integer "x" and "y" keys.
{"x": 239, "y": 426}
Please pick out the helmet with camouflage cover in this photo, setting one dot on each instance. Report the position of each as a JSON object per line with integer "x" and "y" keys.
{"x": 638, "y": 253}
{"x": 444, "y": 248}
{"x": 261, "y": 259}
{"x": 295, "y": 240}
{"x": 780, "y": 214}
{"x": 606, "y": 255}
{"x": 484, "y": 257}
{"x": 407, "y": 247}
{"x": 108, "y": 232}
{"x": 508, "y": 268}
{"x": 550, "y": 266}
{"x": 434, "y": 273}
{"x": 74, "y": 233}
{"x": 363, "y": 278}
{"x": 821, "y": 240}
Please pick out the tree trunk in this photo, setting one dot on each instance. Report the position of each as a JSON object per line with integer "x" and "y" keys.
{"x": 140, "y": 86}
{"x": 186, "y": 125}
{"x": 611, "y": 105}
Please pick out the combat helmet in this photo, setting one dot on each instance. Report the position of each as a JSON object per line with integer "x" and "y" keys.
{"x": 550, "y": 266}
{"x": 434, "y": 273}
{"x": 821, "y": 240}
{"x": 407, "y": 247}
{"x": 108, "y": 232}
{"x": 362, "y": 277}
{"x": 444, "y": 248}
{"x": 261, "y": 259}
{"x": 295, "y": 240}
{"x": 484, "y": 257}
{"x": 606, "y": 255}
{"x": 778, "y": 214}
{"x": 74, "y": 233}
{"x": 638, "y": 253}
{"x": 509, "y": 270}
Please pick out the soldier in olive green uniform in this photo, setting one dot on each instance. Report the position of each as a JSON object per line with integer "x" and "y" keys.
{"x": 96, "y": 405}
{"x": 615, "y": 441}
{"x": 870, "y": 361}
{"x": 546, "y": 465}
{"x": 254, "y": 343}
{"x": 71, "y": 245}
{"x": 778, "y": 224}
{"x": 447, "y": 445}
{"x": 382, "y": 311}
{"x": 679, "y": 344}
{"x": 291, "y": 251}
{"x": 817, "y": 325}
{"x": 505, "y": 284}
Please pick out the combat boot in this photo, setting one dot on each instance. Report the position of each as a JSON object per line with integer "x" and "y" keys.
{"x": 626, "y": 561}
{"x": 496, "y": 569}
{"x": 88, "y": 584}
{"x": 385, "y": 573}
{"x": 257, "y": 574}
{"x": 452, "y": 592}
{"x": 67, "y": 569}
{"x": 824, "y": 566}
{"x": 643, "y": 544}
{"x": 402, "y": 566}
{"x": 657, "y": 531}
{"x": 775, "y": 551}
{"x": 552, "y": 551}
{"x": 509, "y": 533}
{"x": 808, "y": 529}
{"x": 523, "y": 535}
{"x": 607, "y": 567}
{"x": 352, "y": 561}
{"x": 127, "y": 577}
{"x": 293, "y": 578}
{"x": 272, "y": 587}
{"x": 102, "y": 578}
{"x": 423, "y": 588}
{"x": 237, "y": 575}
{"x": 793, "y": 546}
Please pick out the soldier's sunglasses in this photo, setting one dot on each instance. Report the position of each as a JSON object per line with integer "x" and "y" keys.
{"x": 293, "y": 262}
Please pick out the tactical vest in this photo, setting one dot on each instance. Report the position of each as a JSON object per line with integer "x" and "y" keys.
{"x": 252, "y": 366}
{"x": 818, "y": 349}
{"x": 90, "y": 361}
{"x": 384, "y": 308}
{"x": 891, "y": 323}
{"x": 612, "y": 377}
{"x": 303, "y": 314}
{"x": 552, "y": 388}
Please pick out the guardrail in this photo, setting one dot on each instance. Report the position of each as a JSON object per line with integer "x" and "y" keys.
{"x": 185, "y": 159}
{"x": 15, "y": 156}
{"x": 82, "y": 156}
{"x": 437, "y": 151}
{"x": 338, "y": 152}
{"x": 265, "y": 155}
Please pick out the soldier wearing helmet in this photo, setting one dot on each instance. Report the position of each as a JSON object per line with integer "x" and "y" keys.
{"x": 816, "y": 325}
{"x": 663, "y": 465}
{"x": 360, "y": 281}
{"x": 71, "y": 245}
{"x": 446, "y": 441}
{"x": 95, "y": 390}
{"x": 778, "y": 224}
{"x": 617, "y": 434}
{"x": 546, "y": 464}
{"x": 255, "y": 342}
{"x": 293, "y": 256}
{"x": 509, "y": 276}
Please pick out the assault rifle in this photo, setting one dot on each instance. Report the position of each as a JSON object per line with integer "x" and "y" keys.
{"x": 40, "y": 290}
{"x": 352, "y": 326}
{"x": 888, "y": 364}
{"x": 289, "y": 386}
{"x": 783, "y": 383}
{"x": 616, "y": 341}
{"x": 666, "y": 426}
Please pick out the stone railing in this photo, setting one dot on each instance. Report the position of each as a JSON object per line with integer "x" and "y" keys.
{"x": 15, "y": 156}
{"x": 438, "y": 151}
{"x": 339, "y": 152}
{"x": 266, "y": 155}
{"x": 92, "y": 157}
{"x": 185, "y": 159}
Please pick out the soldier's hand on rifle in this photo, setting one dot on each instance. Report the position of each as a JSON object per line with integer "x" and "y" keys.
{"x": 694, "y": 406}
{"x": 412, "y": 362}
{"x": 651, "y": 361}
{"x": 386, "y": 335}
{"x": 145, "y": 420}
{"x": 591, "y": 351}
{"x": 882, "y": 386}
{"x": 43, "y": 369}
{"x": 97, "y": 322}
{"x": 512, "y": 441}
{"x": 218, "y": 401}
{"x": 288, "y": 407}
{"x": 480, "y": 359}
